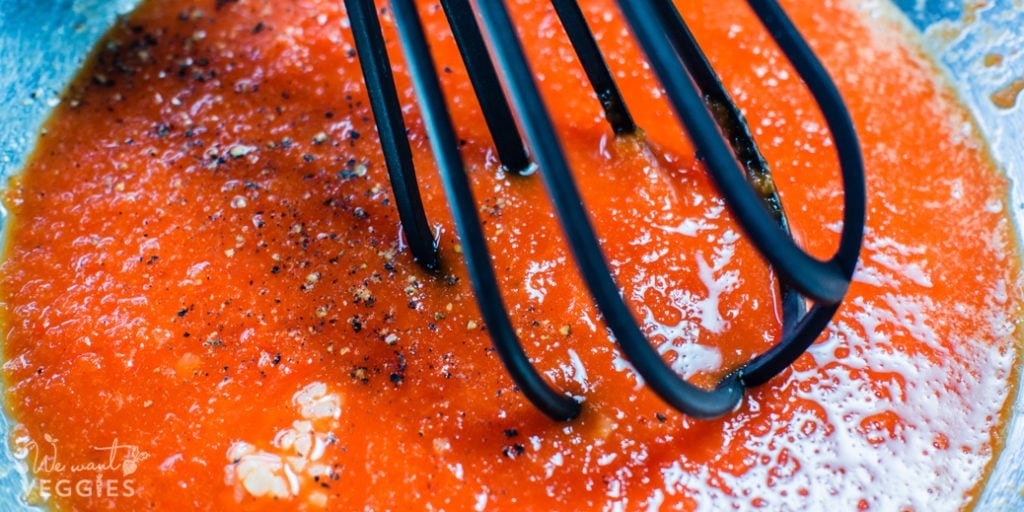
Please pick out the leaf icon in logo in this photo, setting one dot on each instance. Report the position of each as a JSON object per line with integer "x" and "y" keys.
{"x": 129, "y": 467}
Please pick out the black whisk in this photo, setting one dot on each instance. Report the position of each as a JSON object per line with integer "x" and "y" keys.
{"x": 713, "y": 122}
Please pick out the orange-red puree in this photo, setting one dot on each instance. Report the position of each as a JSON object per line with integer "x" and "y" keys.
{"x": 208, "y": 305}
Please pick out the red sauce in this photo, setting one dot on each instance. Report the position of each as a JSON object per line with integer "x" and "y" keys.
{"x": 207, "y": 304}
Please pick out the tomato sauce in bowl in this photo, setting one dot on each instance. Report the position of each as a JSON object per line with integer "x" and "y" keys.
{"x": 208, "y": 303}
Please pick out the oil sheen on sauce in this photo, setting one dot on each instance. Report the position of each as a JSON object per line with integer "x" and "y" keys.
{"x": 207, "y": 303}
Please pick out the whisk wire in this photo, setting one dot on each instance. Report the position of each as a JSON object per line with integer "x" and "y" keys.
{"x": 579, "y": 231}
{"x": 824, "y": 281}
{"x": 484, "y": 79}
{"x": 796, "y": 336}
{"x": 840, "y": 124}
{"x": 589, "y": 55}
{"x": 444, "y": 144}
{"x": 380, "y": 83}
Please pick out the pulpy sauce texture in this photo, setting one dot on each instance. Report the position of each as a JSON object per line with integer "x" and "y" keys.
{"x": 208, "y": 305}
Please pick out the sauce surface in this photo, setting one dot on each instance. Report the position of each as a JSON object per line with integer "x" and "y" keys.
{"x": 207, "y": 303}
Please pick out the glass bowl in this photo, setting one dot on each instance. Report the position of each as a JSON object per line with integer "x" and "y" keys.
{"x": 42, "y": 44}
